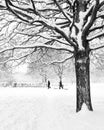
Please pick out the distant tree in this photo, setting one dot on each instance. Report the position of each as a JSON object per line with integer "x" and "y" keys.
{"x": 45, "y": 60}
{"x": 60, "y": 64}
{"x": 68, "y": 25}
{"x": 6, "y": 75}
{"x": 59, "y": 68}
{"x": 43, "y": 73}
{"x": 39, "y": 68}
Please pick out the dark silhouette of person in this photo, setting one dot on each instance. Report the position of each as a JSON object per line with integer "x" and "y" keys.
{"x": 49, "y": 84}
{"x": 60, "y": 85}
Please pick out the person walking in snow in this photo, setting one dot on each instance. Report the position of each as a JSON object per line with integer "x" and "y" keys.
{"x": 60, "y": 85}
{"x": 49, "y": 84}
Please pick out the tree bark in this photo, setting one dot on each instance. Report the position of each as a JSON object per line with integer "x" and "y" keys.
{"x": 82, "y": 67}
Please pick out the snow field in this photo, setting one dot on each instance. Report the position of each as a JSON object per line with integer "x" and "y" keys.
{"x": 53, "y": 109}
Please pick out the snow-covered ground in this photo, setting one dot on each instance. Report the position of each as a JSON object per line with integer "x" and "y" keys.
{"x": 53, "y": 109}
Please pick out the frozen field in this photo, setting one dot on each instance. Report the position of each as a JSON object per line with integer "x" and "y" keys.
{"x": 42, "y": 109}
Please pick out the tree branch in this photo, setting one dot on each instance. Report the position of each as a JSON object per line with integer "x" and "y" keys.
{"x": 92, "y": 19}
{"x": 34, "y": 8}
{"x": 36, "y": 46}
{"x": 2, "y": 7}
{"x": 17, "y": 58}
{"x": 20, "y": 15}
{"x": 94, "y": 49}
{"x": 69, "y": 2}
{"x": 100, "y": 5}
{"x": 101, "y": 33}
{"x": 62, "y": 11}
{"x": 63, "y": 61}
{"x": 58, "y": 30}
{"x": 95, "y": 28}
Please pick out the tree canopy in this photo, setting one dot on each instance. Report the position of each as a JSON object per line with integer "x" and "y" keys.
{"x": 31, "y": 24}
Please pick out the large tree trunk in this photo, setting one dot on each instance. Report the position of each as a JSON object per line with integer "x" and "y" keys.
{"x": 82, "y": 67}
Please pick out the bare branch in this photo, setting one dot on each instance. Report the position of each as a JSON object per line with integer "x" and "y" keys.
{"x": 2, "y": 7}
{"x": 100, "y": 34}
{"x": 94, "y": 49}
{"x": 92, "y": 19}
{"x": 19, "y": 12}
{"x": 58, "y": 30}
{"x": 36, "y": 46}
{"x": 62, "y": 11}
{"x": 17, "y": 58}
{"x": 35, "y": 11}
{"x": 69, "y": 2}
{"x": 63, "y": 61}
{"x": 100, "y": 5}
{"x": 95, "y": 28}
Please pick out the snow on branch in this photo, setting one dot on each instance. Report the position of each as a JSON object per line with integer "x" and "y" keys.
{"x": 69, "y": 2}
{"x": 100, "y": 15}
{"x": 22, "y": 16}
{"x": 26, "y": 15}
{"x": 63, "y": 61}
{"x": 2, "y": 7}
{"x": 54, "y": 39}
{"x": 17, "y": 58}
{"x": 98, "y": 35}
{"x": 95, "y": 28}
{"x": 29, "y": 7}
{"x": 36, "y": 46}
{"x": 62, "y": 11}
{"x": 96, "y": 48}
{"x": 87, "y": 14}
{"x": 58, "y": 30}
{"x": 100, "y": 5}
{"x": 63, "y": 23}
{"x": 34, "y": 8}
{"x": 92, "y": 19}
{"x": 23, "y": 13}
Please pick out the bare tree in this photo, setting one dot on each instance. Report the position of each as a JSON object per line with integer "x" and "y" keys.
{"x": 59, "y": 68}
{"x": 60, "y": 64}
{"x": 43, "y": 73}
{"x": 68, "y": 25}
{"x": 46, "y": 60}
